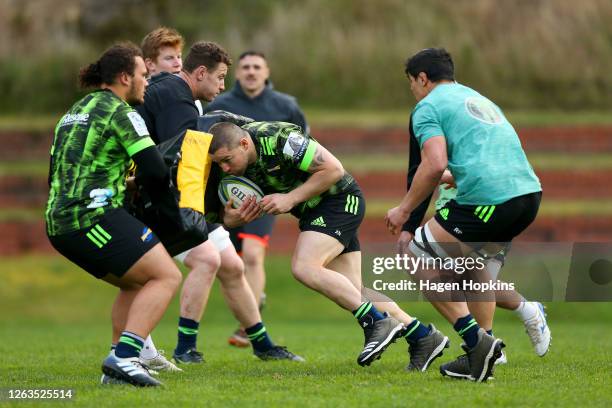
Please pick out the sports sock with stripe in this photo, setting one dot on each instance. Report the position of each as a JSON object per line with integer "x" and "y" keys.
{"x": 415, "y": 331}
{"x": 187, "y": 335}
{"x": 467, "y": 327}
{"x": 366, "y": 314}
{"x": 258, "y": 336}
{"x": 129, "y": 345}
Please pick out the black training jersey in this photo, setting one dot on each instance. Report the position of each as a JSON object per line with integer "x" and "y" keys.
{"x": 90, "y": 156}
{"x": 283, "y": 157}
{"x": 169, "y": 108}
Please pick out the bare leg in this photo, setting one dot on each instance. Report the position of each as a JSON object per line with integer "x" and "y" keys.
{"x": 160, "y": 278}
{"x": 236, "y": 290}
{"x": 253, "y": 255}
{"x": 314, "y": 250}
{"x": 349, "y": 265}
{"x": 120, "y": 310}
{"x": 203, "y": 262}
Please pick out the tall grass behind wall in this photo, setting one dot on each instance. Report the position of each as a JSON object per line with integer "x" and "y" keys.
{"x": 524, "y": 54}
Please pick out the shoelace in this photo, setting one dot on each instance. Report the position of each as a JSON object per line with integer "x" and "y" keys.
{"x": 140, "y": 364}
{"x": 533, "y": 329}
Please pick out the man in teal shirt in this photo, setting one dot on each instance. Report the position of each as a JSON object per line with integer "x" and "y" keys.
{"x": 498, "y": 194}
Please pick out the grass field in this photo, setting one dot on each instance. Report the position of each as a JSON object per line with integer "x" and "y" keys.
{"x": 54, "y": 332}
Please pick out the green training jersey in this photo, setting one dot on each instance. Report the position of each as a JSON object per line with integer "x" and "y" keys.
{"x": 90, "y": 156}
{"x": 283, "y": 157}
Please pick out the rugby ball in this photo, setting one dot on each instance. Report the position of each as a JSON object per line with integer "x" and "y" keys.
{"x": 238, "y": 188}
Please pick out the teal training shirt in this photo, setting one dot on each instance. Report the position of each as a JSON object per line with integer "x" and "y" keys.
{"x": 484, "y": 152}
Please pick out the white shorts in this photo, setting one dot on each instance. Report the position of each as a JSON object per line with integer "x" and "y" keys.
{"x": 219, "y": 237}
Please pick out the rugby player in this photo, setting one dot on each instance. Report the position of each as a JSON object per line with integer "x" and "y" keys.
{"x": 300, "y": 176}
{"x": 531, "y": 313}
{"x": 253, "y": 96}
{"x": 498, "y": 194}
{"x": 86, "y": 222}
{"x": 169, "y": 109}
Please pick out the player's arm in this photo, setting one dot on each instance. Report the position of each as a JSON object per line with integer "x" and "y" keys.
{"x": 325, "y": 169}
{"x": 152, "y": 171}
{"x": 427, "y": 177}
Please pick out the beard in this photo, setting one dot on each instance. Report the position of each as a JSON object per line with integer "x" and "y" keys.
{"x": 134, "y": 97}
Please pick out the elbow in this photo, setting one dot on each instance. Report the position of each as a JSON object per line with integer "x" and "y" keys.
{"x": 437, "y": 167}
{"x": 338, "y": 172}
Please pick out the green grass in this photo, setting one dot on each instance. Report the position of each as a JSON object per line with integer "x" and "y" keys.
{"x": 54, "y": 332}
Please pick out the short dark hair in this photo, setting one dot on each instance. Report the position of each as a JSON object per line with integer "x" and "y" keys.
{"x": 225, "y": 134}
{"x": 209, "y": 54}
{"x": 250, "y": 53}
{"x": 117, "y": 59}
{"x": 437, "y": 63}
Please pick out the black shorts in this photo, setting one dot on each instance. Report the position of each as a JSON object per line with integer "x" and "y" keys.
{"x": 260, "y": 230}
{"x": 338, "y": 216}
{"x": 112, "y": 245}
{"x": 479, "y": 224}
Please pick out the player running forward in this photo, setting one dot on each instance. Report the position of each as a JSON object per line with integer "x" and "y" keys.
{"x": 90, "y": 155}
{"x": 498, "y": 194}
{"x": 254, "y": 96}
{"x": 300, "y": 176}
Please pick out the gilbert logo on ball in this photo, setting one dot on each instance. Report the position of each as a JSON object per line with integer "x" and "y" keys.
{"x": 238, "y": 189}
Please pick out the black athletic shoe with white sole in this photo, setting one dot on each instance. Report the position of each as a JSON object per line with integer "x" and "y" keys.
{"x": 278, "y": 353}
{"x": 425, "y": 350}
{"x": 458, "y": 368}
{"x": 483, "y": 356}
{"x": 477, "y": 363}
{"x": 378, "y": 335}
{"x": 129, "y": 370}
{"x": 191, "y": 356}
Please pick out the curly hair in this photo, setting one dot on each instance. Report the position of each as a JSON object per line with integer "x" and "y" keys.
{"x": 117, "y": 59}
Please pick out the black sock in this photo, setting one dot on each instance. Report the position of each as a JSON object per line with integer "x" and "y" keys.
{"x": 467, "y": 327}
{"x": 416, "y": 330}
{"x": 187, "y": 335}
{"x": 258, "y": 336}
{"x": 129, "y": 345}
{"x": 367, "y": 314}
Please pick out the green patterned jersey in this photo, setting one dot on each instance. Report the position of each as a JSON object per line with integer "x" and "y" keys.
{"x": 90, "y": 156}
{"x": 283, "y": 157}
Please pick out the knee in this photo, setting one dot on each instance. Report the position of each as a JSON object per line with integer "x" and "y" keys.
{"x": 174, "y": 279}
{"x": 253, "y": 257}
{"x": 232, "y": 269}
{"x": 204, "y": 259}
{"x": 304, "y": 272}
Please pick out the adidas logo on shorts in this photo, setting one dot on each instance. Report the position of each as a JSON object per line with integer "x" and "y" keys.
{"x": 319, "y": 222}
